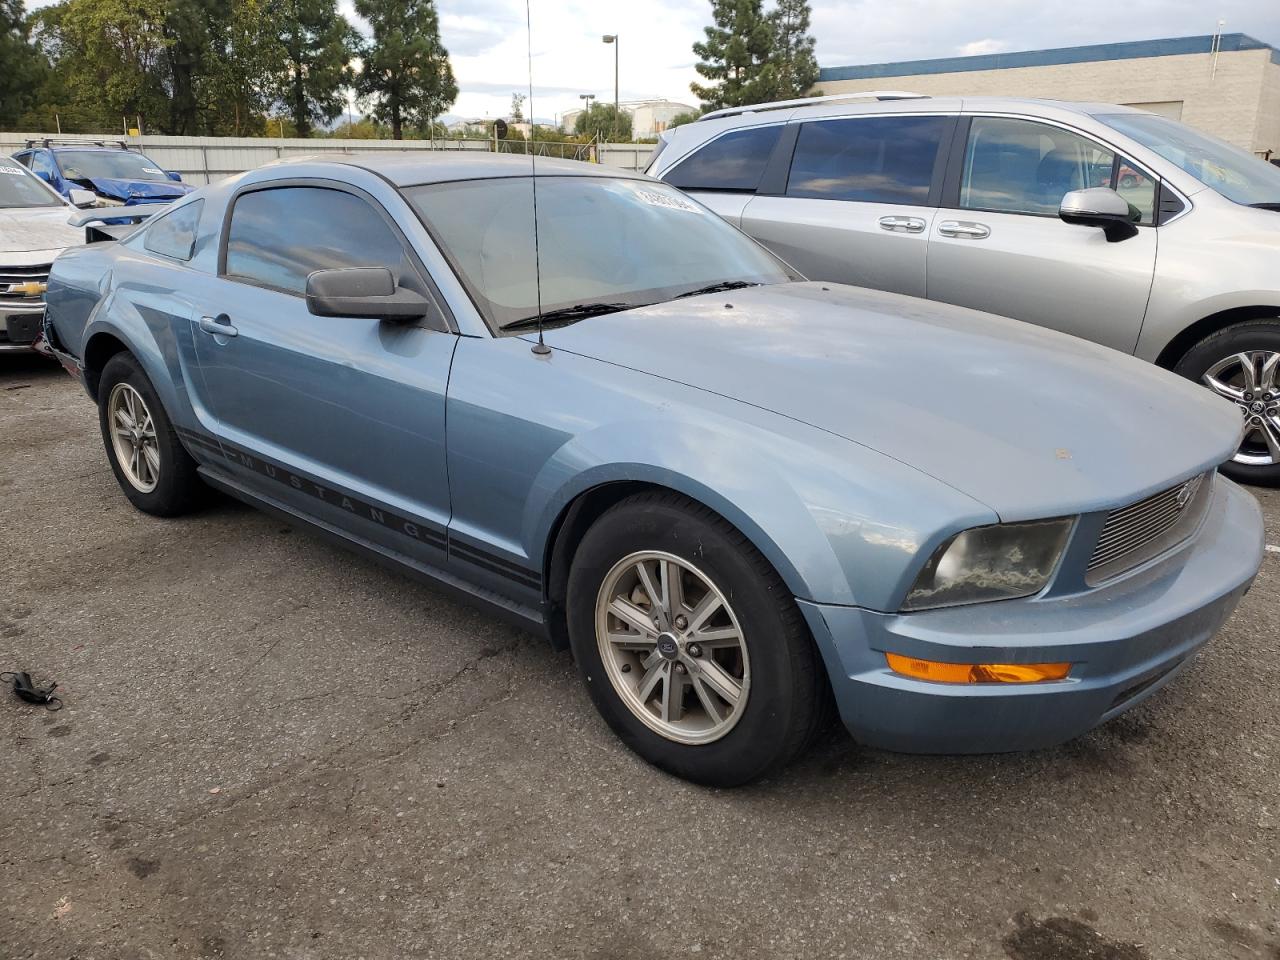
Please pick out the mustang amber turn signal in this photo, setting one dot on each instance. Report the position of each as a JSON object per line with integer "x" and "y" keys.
{"x": 976, "y": 672}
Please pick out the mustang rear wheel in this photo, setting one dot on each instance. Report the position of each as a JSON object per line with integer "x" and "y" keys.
{"x": 153, "y": 469}
{"x": 1241, "y": 363}
{"x": 691, "y": 646}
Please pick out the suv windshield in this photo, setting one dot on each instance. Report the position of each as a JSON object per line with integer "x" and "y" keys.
{"x": 18, "y": 188}
{"x": 604, "y": 244}
{"x": 1236, "y": 174}
{"x": 108, "y": 164}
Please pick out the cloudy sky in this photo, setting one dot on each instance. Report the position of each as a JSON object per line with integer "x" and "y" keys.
{"x": 487, "y": 38}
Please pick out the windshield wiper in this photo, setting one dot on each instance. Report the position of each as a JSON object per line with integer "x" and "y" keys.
{"x": 579, "y": 311}
{"x": 1267, "y": 205}
{"x": 717, "y": 288}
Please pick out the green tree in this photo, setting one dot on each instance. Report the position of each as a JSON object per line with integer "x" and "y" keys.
{"x": 734, "y": 55}
{"x": 318, "y": 45}
{"x": 24, "y": 67}
{"x": 406, "y": 72}
{"x": 110, "y": 62}
{"x": 190, "y": 28}
{"x": 793, "y": 67}
{"x": 680, "y": 119}
{"x": 237, "y": 91}
{"x": 604, "y": 121}
{"x": 517, "y": 107}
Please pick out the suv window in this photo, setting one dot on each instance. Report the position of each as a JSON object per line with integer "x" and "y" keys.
{"x": 174, "y": 234}
{"x": 41, "y": 163}
{"x": 279, "y": 235}
{"x": 734, "y": 161}
{"x": 1020, "y": 166}
{"x": 872, "y": 159}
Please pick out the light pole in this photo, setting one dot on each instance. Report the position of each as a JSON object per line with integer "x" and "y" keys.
{"x": 587, "y": 98}
{"x": 613, "y": 38}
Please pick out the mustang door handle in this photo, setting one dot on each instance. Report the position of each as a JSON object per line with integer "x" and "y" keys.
{"x": 219, "y": 326}
{"x": 902, "y": 224}
{"x": 964, "y": 228}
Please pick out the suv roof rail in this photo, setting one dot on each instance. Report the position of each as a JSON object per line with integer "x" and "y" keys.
{"x": 51, "y": 141}
{"x": 810, "y": 101}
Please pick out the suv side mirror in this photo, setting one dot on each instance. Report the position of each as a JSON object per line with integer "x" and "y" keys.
{"x": 366, "y": 292}
{"x": 82, "y": 198}
{"x": 1099, "y": 207}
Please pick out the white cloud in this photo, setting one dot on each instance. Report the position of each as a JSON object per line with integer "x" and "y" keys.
{"x": 978, "y": 47}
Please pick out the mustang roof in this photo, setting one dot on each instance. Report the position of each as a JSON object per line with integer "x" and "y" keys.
{"x": 419, "y": 167}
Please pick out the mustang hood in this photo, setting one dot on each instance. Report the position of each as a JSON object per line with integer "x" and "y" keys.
{"x": 1030, "y": 422}
{"x": 29, "y": 229}
{"x": 139, "y": 191}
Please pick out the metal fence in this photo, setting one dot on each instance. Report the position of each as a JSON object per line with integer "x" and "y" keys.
{"x": 206, "y": 159}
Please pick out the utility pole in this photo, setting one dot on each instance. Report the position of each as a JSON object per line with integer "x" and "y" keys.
{"x": 613, "y": 38}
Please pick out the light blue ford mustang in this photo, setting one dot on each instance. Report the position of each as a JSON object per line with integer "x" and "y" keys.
{"x": 738, "y": 496}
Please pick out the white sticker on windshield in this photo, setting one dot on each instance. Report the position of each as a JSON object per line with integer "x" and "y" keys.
{"x": 665, "y": 200}
{"x": 151, "y": 170}
{"x": 12, "y": 171}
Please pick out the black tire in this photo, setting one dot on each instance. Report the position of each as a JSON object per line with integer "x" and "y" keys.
{"x": 1259, "y": 335}
{"x": 789, "y": 699}
{"x": 178, "y": 488}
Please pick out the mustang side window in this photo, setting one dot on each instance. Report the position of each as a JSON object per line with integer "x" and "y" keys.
{"x": 1019, "y": 166}
{"x": 174, "y": 234}
{"x": 733, "y": 162}
{"x": 871, "y": 159}
{"x": 280, "y": 235}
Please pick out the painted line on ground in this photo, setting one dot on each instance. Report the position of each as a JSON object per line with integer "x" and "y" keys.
{"x": 1272, "y": 548}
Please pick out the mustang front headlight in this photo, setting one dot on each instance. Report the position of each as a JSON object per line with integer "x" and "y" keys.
{"x": 999, "y": 562}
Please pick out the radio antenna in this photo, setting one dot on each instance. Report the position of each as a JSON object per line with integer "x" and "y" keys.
{"x": 540, "y": 348}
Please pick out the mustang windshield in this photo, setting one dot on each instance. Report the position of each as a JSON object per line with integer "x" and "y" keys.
{"x": 18, "y": 188}
{"x": 1236, "y": 174}
{"x": 604, "y": 244}
{"x": 108, "y": 165}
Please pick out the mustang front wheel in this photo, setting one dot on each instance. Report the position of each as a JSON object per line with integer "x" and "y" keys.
{"x": 691, "y": 646}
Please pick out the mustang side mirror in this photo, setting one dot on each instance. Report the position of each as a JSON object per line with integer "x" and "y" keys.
{"x": 1099, "y": 207}
{"x": 82, "y": 198}
{"x": 367, "y": 292}
{"x": 174, "y": 175}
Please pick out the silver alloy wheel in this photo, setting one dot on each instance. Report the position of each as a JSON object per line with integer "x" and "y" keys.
{"x": 672, "y": 647}
{"x": 1248, "y": 380}
{"x": 133, "y": 435}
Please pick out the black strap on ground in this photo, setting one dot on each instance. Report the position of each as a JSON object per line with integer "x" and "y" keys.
{"x": 25, "y": 689}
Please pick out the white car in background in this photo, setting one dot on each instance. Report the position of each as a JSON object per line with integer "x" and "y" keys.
{"x": 33, "y": 230}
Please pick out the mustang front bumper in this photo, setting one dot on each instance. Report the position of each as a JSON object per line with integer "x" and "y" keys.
{"x": 1124, "y": 640}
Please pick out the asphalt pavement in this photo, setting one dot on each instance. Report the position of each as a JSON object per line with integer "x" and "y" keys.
{"x": 271, "y": 748}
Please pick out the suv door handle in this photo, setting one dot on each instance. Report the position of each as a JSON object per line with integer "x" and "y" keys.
{"x": 964, "y": 228}
{"x": 219, "y": 326}
{"x": 902, "y": 224}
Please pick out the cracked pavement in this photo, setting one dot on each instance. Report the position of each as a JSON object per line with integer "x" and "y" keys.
{"x": 271, "y": 748}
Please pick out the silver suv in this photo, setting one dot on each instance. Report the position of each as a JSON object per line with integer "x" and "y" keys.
{"x": 1106, "y": 222}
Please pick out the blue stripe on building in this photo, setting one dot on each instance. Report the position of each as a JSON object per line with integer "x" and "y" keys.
{"x": 1134, "y": 50}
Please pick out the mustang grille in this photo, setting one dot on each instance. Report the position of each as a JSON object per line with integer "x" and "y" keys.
{"x": 1135, "y": 534}
{"x": 12, "y": 279}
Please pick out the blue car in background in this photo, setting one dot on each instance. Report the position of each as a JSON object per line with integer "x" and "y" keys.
{"x": 115, "y": 174}
{"x": 601, "y": 411}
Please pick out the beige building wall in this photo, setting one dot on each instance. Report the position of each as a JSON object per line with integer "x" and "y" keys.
{"x": 1238, "y": 102}
{"x": 1268, "y": 135}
